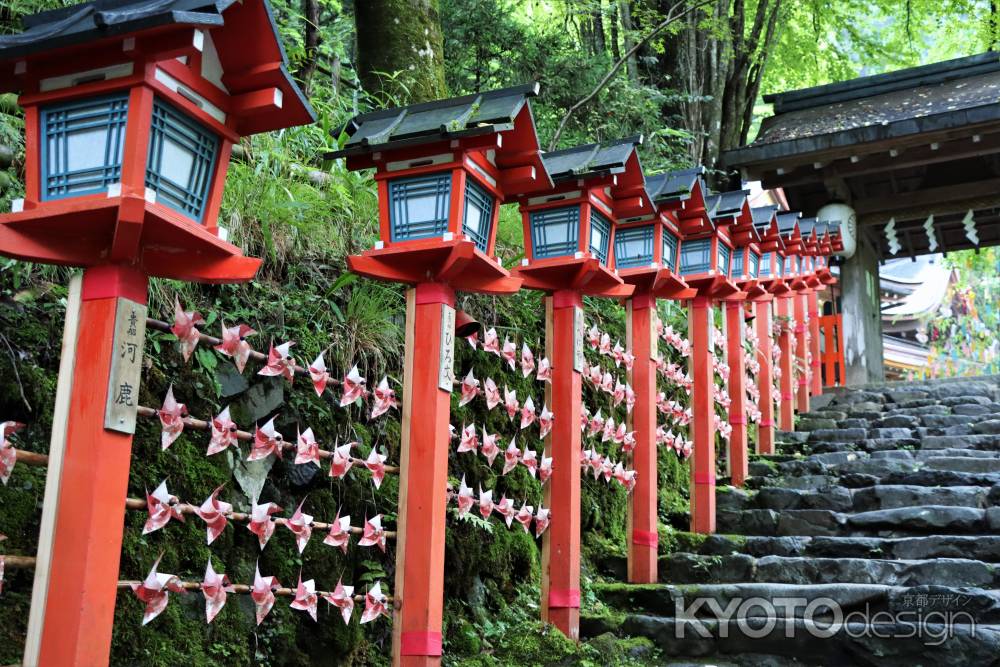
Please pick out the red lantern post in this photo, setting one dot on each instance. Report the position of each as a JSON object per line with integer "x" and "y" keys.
{"x": 130, "y": 114}
{"x": 757, "y": 291}
{"x": 705, "y": 254}
{"x": 798, "y": 280}
{"x": 646, "y": 256}
{"x": 569, "y": 239}
{"x": 442, "y": 170}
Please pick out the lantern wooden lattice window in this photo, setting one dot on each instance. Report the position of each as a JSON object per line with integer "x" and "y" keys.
{"x": 754, "y": 264}
{"x": 765, "y": 264}
{"x": 670, "y": 250}
{"x": 737, "y": 264}
{"x": 181, "y": 160}
{"x": 634, "y": 246}
{"x": 83, "y": 144}
{"x": 419, "y": 206}
{"x": 696, "y": 256}
{"x": 478, "y": 217}
{"x": 555, "y": 231}
{"x": 723, "y": 259}
{"x": 600, "y": 235}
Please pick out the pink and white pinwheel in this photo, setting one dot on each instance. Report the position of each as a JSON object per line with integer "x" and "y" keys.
{"x": 527, "y": 360}
{"x": 214, "y": 587}
{"x": 619, "y": 436}
{"x": 628, "y": 360}
{"x": 530, "y": 460}
{"x": 628, "y": 442}
{"x": 162, "y": 507}
{"x": 470, "y": 389}
{"x": 185, "y": 328}
{"x": 473, "y": 339}
{"x": 607, "y": 468}
{"x": 489, "y": 448}
{"x": 2, "y": 561}
{"x": 491, "y": 342}
{"x": 464, "y": 498}
{"x": 300, "y": 524}
{"x": 340, "y": 532}
{"x": 511, "y": 457}
{"x": 596, "y": 463}
{"x": 594, "y": 337}
{"x": 154, "y": 591}
{"x": 213, "y": 512}
{"x": 171, "y": 416}
{"x": 492, "y": 393}
{"x": 224, "y": 432}
{"x": 544, "y": 373}
{"x": 545, "y": 469}
{"x": 608, "y": 383}
{"x": 542, "y": 518}
{"x": 618, "y": 395}
{"x": 485, "y": 502}
{"x": 373, "y": 533}
{"x": 510, "y": 402}
{"x": 319, "y": 375}
{"x": 594, "y": 375}
{"x": 509, "y": 353}
{"x": 385, "y": 398}
{"x": 280, "y": 362}
{"x": 596, "y": 424}
{"x": 374, "y": 604}
{"x": 342, "y": 598}
{"x": 505, "y": 508}
{"x": 261, "y": 524}
{"x": 584, "y": 419}
{"x": 617, "y": 353}
{"x": 266, "y": 441}
{"x": 524, "y": 516}
{"x": 469, "y": 441}
{"x": 629, "y": 398}
{"x": 341, "y": 461}
{"x": 544, "y": 422}
{"x": 354, "y": 387}
{"x": 376, "y": 464}
{"x": 527, "y": 413}
{"x": 307, "y": 449}
{"x": 8, "y": 455}
{"x": 605, "y": 346}
{"x": 609, "y": 430}
{"x": 262, "y": 593}
{"x": 234, "y": 344}
{"x": 305, "y": 597}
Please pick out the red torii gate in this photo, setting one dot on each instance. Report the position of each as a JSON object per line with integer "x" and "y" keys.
{"x": 130, "y": 114}
{"x": 646, "y": 256}
{"x": 569, "y": 233}
{"x": 442, "y": 169}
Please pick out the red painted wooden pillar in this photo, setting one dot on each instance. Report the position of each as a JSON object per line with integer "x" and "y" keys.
{"x": 79, "y": 600}
{"x": 737, "y": 392}
{"x": 765, "y": 379}
{"x": 802, "y": 344}
{"x": 643, "y": 540}
{"x": 702, "y": 423}
{"x": 423, "y": 479}
{"x": 787, "y": 412}
{"x": 561, "y": 542}
{"x": 816, "y": 377}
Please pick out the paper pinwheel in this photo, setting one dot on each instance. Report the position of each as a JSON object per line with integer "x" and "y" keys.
{"x": 234, "y": 344}
{"x": 185, "y": 328}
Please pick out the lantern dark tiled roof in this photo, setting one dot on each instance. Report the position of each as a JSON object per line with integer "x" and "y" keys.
{"x": 590, "y": 160}
{"x": 762, "y": 216}
{"x": 873, "y": 108}
{"x": 673, "y": 185}
{"x": 787, "y": 220}
{"x": 807, "y": 225}
{"x": 456, "y": 117}
{"x": 78, "y": 24}
{"x": 726, "y": 204}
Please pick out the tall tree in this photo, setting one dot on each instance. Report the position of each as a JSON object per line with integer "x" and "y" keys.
{"x": 400, "y": 49}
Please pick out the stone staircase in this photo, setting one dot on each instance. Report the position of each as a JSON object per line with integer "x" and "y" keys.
{"x": 871, "y": 538}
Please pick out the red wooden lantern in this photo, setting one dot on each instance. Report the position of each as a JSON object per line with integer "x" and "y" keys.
{"x": 569, "y": 228}
{"x": 442, "y": 169}
{"x": 756, "y": 287}
{"x": 131, "y": 110}
{"x": 706, "y": 248}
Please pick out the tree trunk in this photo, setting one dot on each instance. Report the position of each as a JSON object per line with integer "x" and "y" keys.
{"x": 627, "y": 31}
{"x": 616, "y": 51}
{"x": 400, "y": 49}
{"x": 600, "y": 43}
{"x": 310, "y": 13}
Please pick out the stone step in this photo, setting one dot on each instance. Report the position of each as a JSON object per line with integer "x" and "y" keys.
{"x": 780, "y": 642}
{"x": 687, "y": 568}
{"x": 902, "y": 521}
{"x": 982, "y": 605}
{"x": 842, "y": 499}
{"x": 921, "y": 477}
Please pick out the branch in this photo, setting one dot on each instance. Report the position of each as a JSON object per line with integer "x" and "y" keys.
{"x": 671, "y": 18}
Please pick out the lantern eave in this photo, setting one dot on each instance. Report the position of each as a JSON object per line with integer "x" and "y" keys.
{"x": 584, "y": 274}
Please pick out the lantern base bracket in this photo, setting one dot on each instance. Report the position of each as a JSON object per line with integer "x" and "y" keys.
{"x": 660, "y": 283}
{"x": 585, "y": 275}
